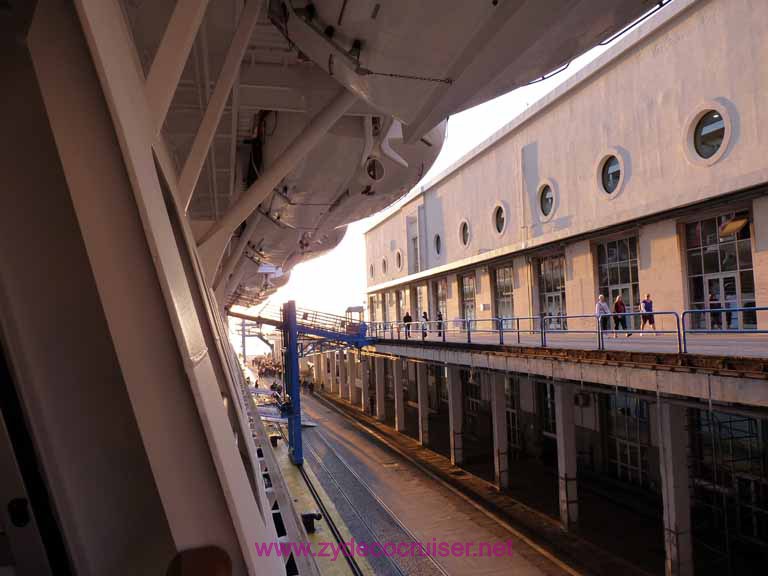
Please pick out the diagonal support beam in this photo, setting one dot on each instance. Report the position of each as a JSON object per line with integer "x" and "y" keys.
{"x": 237, "y": 253}
{"x": 211, "y": 246}
{"x": 229, "y": 71}
{"x": 172, "y": 56}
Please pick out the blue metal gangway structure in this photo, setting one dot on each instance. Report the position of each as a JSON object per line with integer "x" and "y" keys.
{"x": 305, "y": 332}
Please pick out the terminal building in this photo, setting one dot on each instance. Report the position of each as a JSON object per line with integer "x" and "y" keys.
{"x": 644, "y": 173}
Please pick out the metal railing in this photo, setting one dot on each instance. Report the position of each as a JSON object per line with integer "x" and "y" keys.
{"x": 717, "y": 314}
{"x": 539, "y": 330}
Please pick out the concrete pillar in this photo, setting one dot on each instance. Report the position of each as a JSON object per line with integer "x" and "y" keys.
{"x": 316, "y": 370}
{"x": 675, "y": 490}
{"x": 379, "y": 367}
{"x": 352, "y": 392}
{"x": 397, "y": 366}
{"x": 522, "y": 289}
{"x": 343, "y": 382}
{"x": 334, "y": 382}
{"x": 423, "y": 394}
{"x": 566, "y": 454}
{"x": 760, "y": 257}
{"x": 580, "y": 284}
{"x": 321, "y": 366}
{"x": 453, "y": 301}
{"x": 455, "y": 415}
{"x": 365, "y": 393}
{"x": 483, "y": 298}
{"x": 499, "y": 420}
{"x": 659, "y": 249}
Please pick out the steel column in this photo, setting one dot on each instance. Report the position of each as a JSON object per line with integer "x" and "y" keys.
{"x": 292, "y": 382}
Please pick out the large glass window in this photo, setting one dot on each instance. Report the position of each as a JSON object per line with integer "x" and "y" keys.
{"x": 419, "y": 303}
{"x": 512, "y": 401}
{"x": 617, "y": 274}
{"x": 719, "y": 262}
{"x": 729, "y": 487}
{"x": 547, "y": 404}
{"x": 629, "y": 438}
{"x": 440, "y": 295}
{"x": 552, "y": 290}
{"x": 502, "y": 277}
{"x": 467, "y": 285}
{"x": 385, "y": 307}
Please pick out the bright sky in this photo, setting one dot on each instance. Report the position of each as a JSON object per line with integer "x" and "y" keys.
{"x": 336, "y": 280}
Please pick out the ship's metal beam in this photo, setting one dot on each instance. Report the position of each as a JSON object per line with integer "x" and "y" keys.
{"x": 211, "y": 246}
{"x": 229, "y": 71}
{"x": 172, "y": 55}
{"x": 237, "y": 254}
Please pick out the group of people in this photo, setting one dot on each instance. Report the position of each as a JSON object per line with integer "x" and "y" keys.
{"x": 424, "y": 324}
{"x": 265, "y": 366}
{"x": 603, "y": 311}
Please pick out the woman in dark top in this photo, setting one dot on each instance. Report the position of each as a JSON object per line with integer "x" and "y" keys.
{"x": 619, "y": 322}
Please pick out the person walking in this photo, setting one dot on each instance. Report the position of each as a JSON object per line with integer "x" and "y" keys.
{"x": 424, "y": 325}
{"x": 603, "y": 311}
{"x": 646, "y": 307}
{"x": 619, "y": 321}
{"x": 407, "y": 321}
{"x": 439, "y": 324}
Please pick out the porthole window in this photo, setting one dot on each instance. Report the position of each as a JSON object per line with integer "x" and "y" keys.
{"x": 709, "y": 134}
{"x": 611, "y": 174}
{"x": 371, "y": 271}
{"x": 438, "y": 244}
{"x": 499, "y": 219}
{"x": 399, "y": 260}
{"x": 383, "y": 265}
{"x": 464, "y": 234}
{"x": 546, "y": 200}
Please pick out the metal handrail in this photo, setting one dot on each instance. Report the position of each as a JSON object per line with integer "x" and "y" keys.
{"x": 676, "y": 331}
{"x": 687, "y": 331}
{"x": 512, "y": 325}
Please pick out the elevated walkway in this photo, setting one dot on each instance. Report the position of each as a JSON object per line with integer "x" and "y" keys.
{"x": 315, "y": 328}
{"x": 726, "y": 379}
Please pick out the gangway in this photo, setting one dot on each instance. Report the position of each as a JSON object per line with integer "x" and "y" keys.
{"x": 304, "y": 331}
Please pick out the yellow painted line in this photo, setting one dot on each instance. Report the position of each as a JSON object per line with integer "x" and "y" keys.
{"x": 522, "y": 537}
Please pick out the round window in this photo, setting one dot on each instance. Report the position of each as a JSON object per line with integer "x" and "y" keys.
{"x": 464, "y": 233}
{"x": 399, "y": 260}
{"x": 546, "y": 200}
{"x": 611, "y": 174}
{"x": 498, "y": 219}
{"x": 383, "y": 265}
{"x": 371, "y": 271}
{"x": 438, "y": 244}
{"x": 709, "y": 134}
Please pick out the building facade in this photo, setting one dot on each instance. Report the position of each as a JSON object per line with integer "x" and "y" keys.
{"x": 643, "y": 173}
